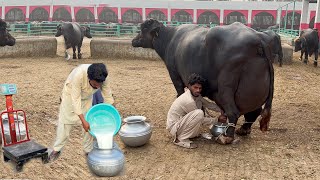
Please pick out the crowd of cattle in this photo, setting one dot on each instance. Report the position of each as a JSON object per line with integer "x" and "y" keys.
{"x": 235, "y": 59}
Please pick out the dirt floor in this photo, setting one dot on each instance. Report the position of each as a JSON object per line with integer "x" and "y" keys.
{"x": 290, "y": 150}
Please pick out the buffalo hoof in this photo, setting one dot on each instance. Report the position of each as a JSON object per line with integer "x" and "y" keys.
{"x": 305, "y": 61}
{"x": 224, "y": 140}
{"x": 79, "y": 56}
{"x": 67, "y": 56}
{"x": 243, "y": 132}
{"x": 315, "y": 64}
{"x": 74, "y": 56}
{"x": 300, "y": 59}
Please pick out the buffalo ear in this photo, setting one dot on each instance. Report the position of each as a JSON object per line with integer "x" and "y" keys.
{"x": 59, "y": 27}
{"x": 155, "y": 31}
{"x": 83, "y": 28}
{"x": 301, "y": 32}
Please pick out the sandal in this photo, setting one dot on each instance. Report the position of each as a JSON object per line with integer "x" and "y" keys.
{"x": 207, "y": 136}
{"x": 189, "y": 145}
{"x": 54, "y": 155}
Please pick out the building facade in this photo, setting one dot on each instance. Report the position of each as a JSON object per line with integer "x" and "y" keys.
{"x": 256, "y": 14}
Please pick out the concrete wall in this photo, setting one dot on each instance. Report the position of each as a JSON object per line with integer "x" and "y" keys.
{"x": 104, "y": 48}
{"x": 287, "y": 51}
{"x": 31, "y": 47}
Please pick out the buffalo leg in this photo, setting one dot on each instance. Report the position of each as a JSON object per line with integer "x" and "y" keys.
{"x": 226, "y": 97}
{"x": 79, "y": 51}
{"x": 74, "y": 52}
{"x": 315, "y": 63}
{"x": 177, "y": 82}
{"x": 301, "y": 54}
{"x": 305, "y": 57}
{"x": 280, "y": 60}
{"x": 66, "y": 54}
{"x": 250, "y": 118}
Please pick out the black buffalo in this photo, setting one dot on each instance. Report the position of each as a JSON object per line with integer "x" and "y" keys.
{"x": 308, "y": 43}
{"x": 232, "y": 58}
{"x": 273, "y": 41}
{"x": 5, "y": 37}
{"x": 73, "y": 35}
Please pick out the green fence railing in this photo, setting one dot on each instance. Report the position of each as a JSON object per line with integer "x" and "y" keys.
{"x": 110, "y": 30}
{"x": 288, "y": 32}
{"x": 103, "y": 30}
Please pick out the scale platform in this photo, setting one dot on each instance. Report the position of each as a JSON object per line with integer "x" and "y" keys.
{"x": 22, "y": 152}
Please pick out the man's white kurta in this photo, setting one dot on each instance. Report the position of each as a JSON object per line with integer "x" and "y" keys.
{"x": 77, "y": 99}
{"x": 77, "y": 95}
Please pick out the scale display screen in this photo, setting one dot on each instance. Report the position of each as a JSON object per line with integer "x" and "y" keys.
{"x": 7, "y": 89}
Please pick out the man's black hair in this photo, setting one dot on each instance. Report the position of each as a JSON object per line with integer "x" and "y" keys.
{"x": 97, "y": 72}
{"x": 196, "y": 79}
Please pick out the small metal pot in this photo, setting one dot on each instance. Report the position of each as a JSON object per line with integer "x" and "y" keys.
{"x": 135, "y": 132}
{"x": 218, "y": 129}
{"x": 105, "y": 162}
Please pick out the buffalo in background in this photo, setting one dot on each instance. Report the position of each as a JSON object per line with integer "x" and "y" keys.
{"x": 5, "y": 37}
{"x": 234, "y": 59}
{"x": 73, "y": 35}
{"x": 273, "y": 41}
{"x": 308, "y": 44}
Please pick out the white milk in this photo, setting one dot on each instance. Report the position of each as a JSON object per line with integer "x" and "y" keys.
{"x": 105, "y": 140}
{"x": 104, "y": 135}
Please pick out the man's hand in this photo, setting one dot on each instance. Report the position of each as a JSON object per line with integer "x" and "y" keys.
{"x": 222, "y": 118}
{"x": 85, "y": 126}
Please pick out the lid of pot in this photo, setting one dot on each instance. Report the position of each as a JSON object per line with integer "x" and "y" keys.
{"x": 103, "y": 118}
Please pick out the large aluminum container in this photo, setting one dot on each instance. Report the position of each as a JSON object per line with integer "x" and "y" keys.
{"x": 135, "y": 132}
{"x": 106, "y": 162}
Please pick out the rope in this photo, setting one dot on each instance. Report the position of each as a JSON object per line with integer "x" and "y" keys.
{"x": 248, "y": 122}
{"x": 225, "y": 129}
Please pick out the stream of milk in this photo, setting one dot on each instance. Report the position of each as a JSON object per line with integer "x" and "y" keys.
{"x": 104, "y": 135}
{"x": 105, "y": 140}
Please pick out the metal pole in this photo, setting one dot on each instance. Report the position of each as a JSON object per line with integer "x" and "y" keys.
{"x": 12, "y": 125}
{"x": 292, "y": 20}
{"x": 285, "y": 20}
{"x": 279, "y": 18}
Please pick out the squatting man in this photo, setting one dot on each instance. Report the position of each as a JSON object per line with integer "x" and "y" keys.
{"x": 185, "y": 116}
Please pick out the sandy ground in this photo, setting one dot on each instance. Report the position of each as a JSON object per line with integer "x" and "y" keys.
{"x": 290, "y": 150}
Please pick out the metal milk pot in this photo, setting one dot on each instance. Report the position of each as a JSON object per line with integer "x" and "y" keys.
{"x": 135, "y": 132}
{"x": 106, "y": 162}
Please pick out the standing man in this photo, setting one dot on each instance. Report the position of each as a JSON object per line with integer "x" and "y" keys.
{"x": 76, "y": 100}
{"x": 185, "y": 116}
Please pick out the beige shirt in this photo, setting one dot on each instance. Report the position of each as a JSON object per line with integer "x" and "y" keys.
{"x": 77, "y": 95}
{"x": 186, "y": 103}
